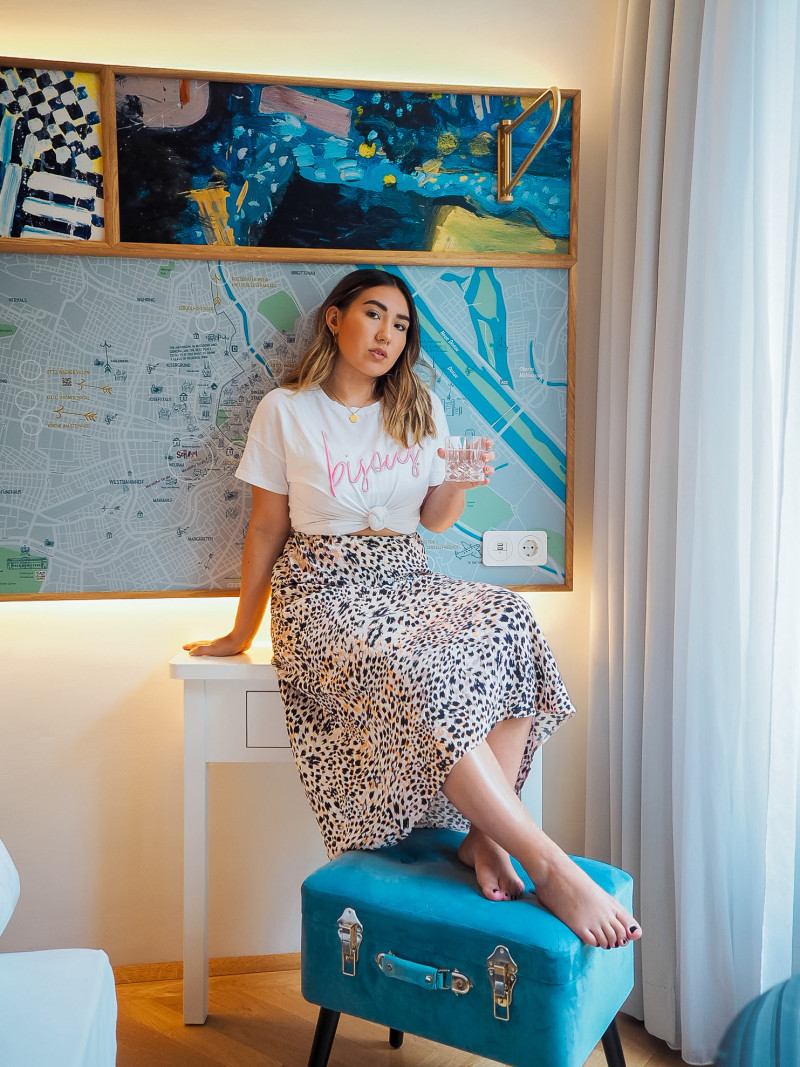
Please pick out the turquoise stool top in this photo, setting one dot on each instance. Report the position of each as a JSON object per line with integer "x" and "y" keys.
{"x": 419, "y": 903}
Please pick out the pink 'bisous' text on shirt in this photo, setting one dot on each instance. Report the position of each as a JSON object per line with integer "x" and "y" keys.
{"x": 376, "y": 463}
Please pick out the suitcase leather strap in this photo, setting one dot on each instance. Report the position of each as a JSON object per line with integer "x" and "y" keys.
{"x": 422, "y": 974}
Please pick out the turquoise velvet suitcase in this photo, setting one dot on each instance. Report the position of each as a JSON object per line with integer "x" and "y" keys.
{"x": 402, "y": 936}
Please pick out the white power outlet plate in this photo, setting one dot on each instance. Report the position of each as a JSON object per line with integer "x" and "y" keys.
{"x": 514, "y": 548}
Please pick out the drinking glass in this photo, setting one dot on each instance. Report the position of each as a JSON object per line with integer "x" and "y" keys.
{"x": 463, "y": 459}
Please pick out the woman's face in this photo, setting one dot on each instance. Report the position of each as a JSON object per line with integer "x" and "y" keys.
{"x": 371, "y": 332}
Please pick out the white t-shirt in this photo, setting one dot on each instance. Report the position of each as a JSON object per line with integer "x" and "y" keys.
{"x": 340, "y": 476}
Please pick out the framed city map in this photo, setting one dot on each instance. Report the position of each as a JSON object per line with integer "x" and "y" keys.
{"x": 164, "y": 240}
{"x": 127, "y": 387}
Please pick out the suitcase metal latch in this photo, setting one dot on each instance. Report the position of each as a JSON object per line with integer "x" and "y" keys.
{"x": 502, "y": 975}
{"x": 350, "y": 934}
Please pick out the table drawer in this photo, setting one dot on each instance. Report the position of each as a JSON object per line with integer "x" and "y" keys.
{"x": 266, "y": 723}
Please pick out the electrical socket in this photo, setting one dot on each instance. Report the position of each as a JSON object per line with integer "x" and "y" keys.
{"x": 514, "y": 548}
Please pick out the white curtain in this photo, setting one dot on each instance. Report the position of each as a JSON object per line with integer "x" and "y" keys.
{"x": 694, "y": 736}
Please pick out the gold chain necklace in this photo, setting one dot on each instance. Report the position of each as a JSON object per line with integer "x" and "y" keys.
{"x": 353, "y": 411}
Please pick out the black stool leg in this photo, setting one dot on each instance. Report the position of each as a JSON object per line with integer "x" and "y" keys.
{"x": 612, "y": 1046}
{"x": 395, "y": 1038}
{"x": 323, "y": 1037}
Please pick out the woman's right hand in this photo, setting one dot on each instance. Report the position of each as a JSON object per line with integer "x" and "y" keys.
{"x": 266, "y": 537}
{"x": 220, "y": 646}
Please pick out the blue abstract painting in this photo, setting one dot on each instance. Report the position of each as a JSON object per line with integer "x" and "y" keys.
{"x": 222, "y": 163}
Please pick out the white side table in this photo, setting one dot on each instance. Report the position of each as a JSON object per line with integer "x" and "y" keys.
{"x": 232, "y": 713}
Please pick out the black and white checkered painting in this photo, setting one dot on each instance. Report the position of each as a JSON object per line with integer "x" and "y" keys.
{"x": 51, "y": 181}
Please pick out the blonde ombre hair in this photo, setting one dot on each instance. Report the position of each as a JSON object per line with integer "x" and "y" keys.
{"x": 404, "y": 398}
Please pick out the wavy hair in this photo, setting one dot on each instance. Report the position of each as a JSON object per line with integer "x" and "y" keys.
{"x": 404, "y": 398}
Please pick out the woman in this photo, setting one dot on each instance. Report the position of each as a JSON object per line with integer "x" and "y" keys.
{"x": 412, "y": 699}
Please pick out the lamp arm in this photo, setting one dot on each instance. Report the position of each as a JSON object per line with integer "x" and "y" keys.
{"x": 504, "y": 134}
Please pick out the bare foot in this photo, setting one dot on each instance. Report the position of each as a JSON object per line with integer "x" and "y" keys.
{"x": 493, "y": 867}
{"x": 596, "y": 917}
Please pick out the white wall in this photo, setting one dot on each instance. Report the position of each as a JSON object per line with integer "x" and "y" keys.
{"x": 90, "y": 728}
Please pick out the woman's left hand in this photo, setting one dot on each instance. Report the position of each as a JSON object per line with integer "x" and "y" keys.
{"x": 444, "y": 503}
{"x": 487, "y": 456}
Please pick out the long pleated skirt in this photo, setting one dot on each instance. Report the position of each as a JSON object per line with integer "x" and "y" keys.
{"x": 390, "y": 673}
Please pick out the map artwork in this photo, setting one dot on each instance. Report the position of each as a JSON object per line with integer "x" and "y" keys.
{"x": 127, "y": 387}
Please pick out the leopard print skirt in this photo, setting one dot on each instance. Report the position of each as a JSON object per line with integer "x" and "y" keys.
{"x": 390, "y": 673}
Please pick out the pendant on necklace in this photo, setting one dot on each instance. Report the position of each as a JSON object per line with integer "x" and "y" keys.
{"x": 354, "y": 417}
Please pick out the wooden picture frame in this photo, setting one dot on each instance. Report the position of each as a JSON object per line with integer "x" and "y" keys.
{"x": 86, "y": 365}
{"x": 460, "y": 223}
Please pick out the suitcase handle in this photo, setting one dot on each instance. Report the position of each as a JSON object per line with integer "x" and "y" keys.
{"x": 422, "y": 974}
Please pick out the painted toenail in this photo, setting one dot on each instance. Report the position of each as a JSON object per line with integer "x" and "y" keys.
{"x": 633, "y": 929}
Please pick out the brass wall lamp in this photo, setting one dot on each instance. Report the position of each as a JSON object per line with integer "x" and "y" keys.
{"x": 504, "y": 133}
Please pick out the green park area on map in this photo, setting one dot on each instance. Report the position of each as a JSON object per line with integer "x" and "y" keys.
{"x": 19, "y": 574}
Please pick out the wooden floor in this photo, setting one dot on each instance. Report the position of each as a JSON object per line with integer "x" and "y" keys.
{"x": 261, "y": 1020}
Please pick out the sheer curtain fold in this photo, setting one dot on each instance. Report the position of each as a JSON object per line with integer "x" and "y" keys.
{"x": 696, "y": 592}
